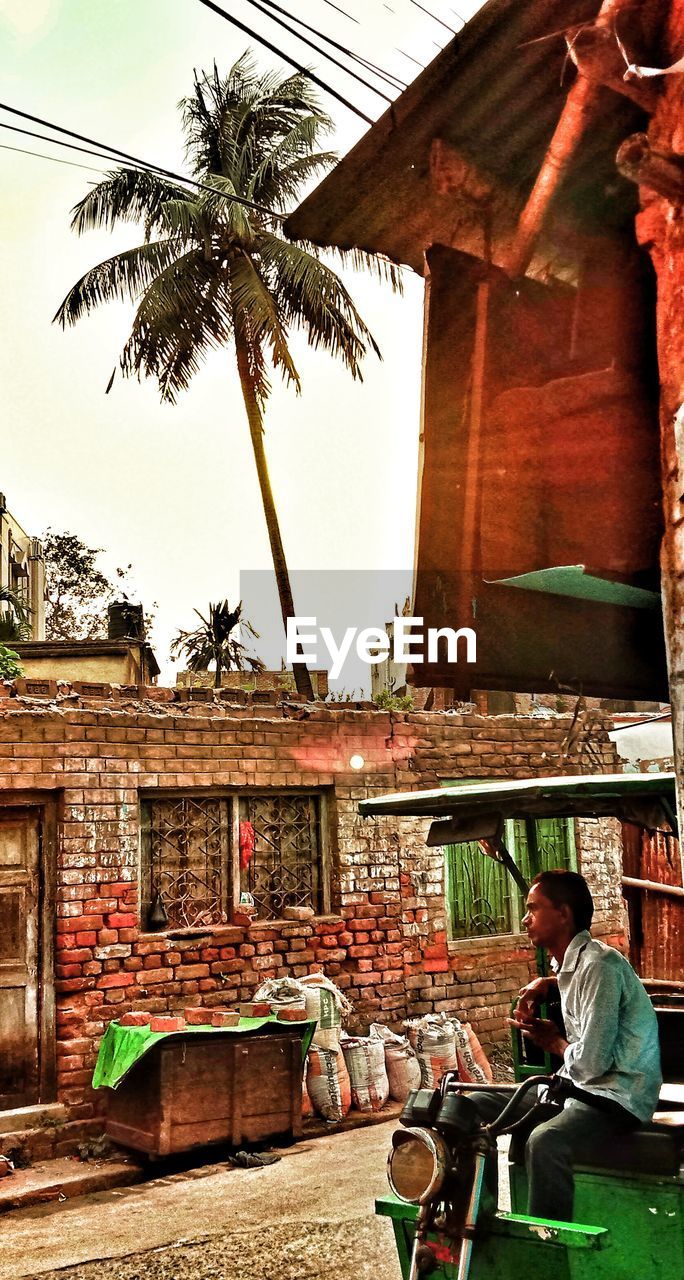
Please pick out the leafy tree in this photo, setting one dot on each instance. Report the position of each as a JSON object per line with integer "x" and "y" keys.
{"x": 215, "y": 642}
{"x": 77, "y": 592}
{"x": 212, "y": 271}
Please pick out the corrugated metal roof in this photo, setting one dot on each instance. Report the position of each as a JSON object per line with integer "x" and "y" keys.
{"x": 495, "y": 99}
{"x": 565, "y": 792}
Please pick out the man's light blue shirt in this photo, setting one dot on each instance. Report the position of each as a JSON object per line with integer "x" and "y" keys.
{"x": 611, "y": 1027}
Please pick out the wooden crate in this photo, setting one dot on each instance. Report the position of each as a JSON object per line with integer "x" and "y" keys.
{"x": 192, "y": 1090}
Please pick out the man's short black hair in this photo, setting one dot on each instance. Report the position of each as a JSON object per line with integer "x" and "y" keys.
{"x": 567, "y": 888}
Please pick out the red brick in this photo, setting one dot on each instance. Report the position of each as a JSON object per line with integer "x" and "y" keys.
{"x": 121, "y": 920}
{"x": 88, "y": 939}
{"x": 185, "y": 972}
{"x": 115, "y": 980}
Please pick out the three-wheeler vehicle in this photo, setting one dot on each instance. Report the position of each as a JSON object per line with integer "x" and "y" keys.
{"x": 629, "y": 1199}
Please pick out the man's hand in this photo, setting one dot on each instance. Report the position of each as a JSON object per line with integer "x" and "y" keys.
{"x": 542, "y": 1032}
{"x": 534, "y": 994}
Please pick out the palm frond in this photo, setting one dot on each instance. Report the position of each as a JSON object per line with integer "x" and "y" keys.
{"x": 312, "y": 297}
{"x": 117, "y": 279}
{"x": 257, "y": 318}
{"x": 125, "y": 195}
{"x": 184, "y": 314}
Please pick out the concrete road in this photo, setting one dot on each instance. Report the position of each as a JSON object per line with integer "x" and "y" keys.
{"x": 308, "y": 1217}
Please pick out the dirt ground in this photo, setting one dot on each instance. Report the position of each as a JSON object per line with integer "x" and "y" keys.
{"x": 307, "y": 1217}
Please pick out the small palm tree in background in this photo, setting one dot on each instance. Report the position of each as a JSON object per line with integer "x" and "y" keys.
{"x": 15, "y": 621}
{"x": 218, "y": 641}
{"x": 212, "y": 272}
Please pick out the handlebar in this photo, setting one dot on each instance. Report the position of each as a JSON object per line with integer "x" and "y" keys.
{"x": 451, "y": 1083}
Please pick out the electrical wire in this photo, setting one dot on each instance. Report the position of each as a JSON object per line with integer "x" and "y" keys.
{"x": 432, "y": 15}
{"x": 364, "y": 62}
{"x": 115, "y": 153}
{"x": 241, "y": 26}
{"x": 342, "y": 11}
{"x": 266, "y": 12}
{"x": 40, "y": 155}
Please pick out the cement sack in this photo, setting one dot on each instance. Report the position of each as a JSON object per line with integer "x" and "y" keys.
{"x": 282, "y": 993}
{"x": 325, "y": 1004}
{"x": 365, "y": 1059}
{"x": 327, "y": 1082}
{"x": 401, "y": 1063}
{"x": 307, "y": 1104}
{"x": 473, "y": 1062}
{"x": 433, "y": 1039}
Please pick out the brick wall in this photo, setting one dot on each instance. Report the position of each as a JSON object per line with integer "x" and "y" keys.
{"x": 385, "y": 941}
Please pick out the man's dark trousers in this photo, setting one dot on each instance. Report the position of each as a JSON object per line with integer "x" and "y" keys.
{"x": 554, "y": 1140}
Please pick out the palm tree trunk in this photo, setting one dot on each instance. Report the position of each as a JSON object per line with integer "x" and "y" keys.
{"x": 256, "y": 431}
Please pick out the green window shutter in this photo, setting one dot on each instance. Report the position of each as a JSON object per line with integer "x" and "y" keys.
{"x": 542, "y": 844}
{"x": 478, "y": 892}
{"x": 481, "y": 897}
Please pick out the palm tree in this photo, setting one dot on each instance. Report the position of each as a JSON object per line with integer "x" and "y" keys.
{"x": 15, "y": 622}
{"x": 218, "y": 271}
{"x": 215, "y": 642}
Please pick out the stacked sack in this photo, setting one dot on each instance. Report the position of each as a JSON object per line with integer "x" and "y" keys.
{"x": 282, "y": 993}
{"x": 444, "y": 1044}
{"x": 401, "y": 1063}
{"x": 327, "y": 1006}
{"x": 327, "y": 1077}
{"x": 365, "y": 1059}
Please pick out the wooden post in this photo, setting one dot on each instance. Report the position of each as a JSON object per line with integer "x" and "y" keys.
{"x": 580, "y": 106}
{"x": 661, "y": 173}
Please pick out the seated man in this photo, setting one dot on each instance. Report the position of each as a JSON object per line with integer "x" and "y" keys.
{"x": 611, "y": 1052}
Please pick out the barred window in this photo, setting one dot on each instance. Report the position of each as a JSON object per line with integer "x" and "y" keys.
{"x": 284, "y": 869}
{"x": 482, "y": 899}
{"x": 200, "y": 852}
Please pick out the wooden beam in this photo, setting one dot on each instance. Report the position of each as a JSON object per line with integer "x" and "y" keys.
{"x": 580, "y": 107}
{"x": 596, "y": 54}
{"x": 661, "y": 173}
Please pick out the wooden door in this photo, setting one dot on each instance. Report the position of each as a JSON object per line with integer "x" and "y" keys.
{"x": 19, "y": 953}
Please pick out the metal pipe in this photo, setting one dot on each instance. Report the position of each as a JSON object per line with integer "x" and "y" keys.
{"x": 471, "y": 1218}
{"x": 654, "y": 886}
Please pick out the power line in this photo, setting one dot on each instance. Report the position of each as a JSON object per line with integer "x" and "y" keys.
{"x": 112, "y": 153}
{"x": 411, "y": 58}
{"x": 317, "y": 49}
{"x": 432, "y": 15}
{"x": 342, "y": 11}
{"x": 40, "y": 155}
{"x": 228, "y": 17}
{"x": 364, "y": 62}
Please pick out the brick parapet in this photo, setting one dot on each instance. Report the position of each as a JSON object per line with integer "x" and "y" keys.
{"x": 385, "y": 943}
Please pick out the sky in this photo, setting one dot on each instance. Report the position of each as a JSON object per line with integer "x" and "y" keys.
{"x": 172, "y": 489}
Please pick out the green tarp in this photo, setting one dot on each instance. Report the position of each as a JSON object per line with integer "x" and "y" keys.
{"x": 122, "y": 1047}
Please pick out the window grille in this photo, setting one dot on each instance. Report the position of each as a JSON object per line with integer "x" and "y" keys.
{"x": 285, "y": 867}
{"x": 186, "y": 847}
{"x": 482, "y": 899}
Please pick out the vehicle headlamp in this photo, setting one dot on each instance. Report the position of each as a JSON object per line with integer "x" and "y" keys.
{"x": 417, "y": 1165}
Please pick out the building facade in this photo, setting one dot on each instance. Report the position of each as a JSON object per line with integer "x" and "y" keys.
{"x": 22, "y": 569}
{"x": 131, "y": 823}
